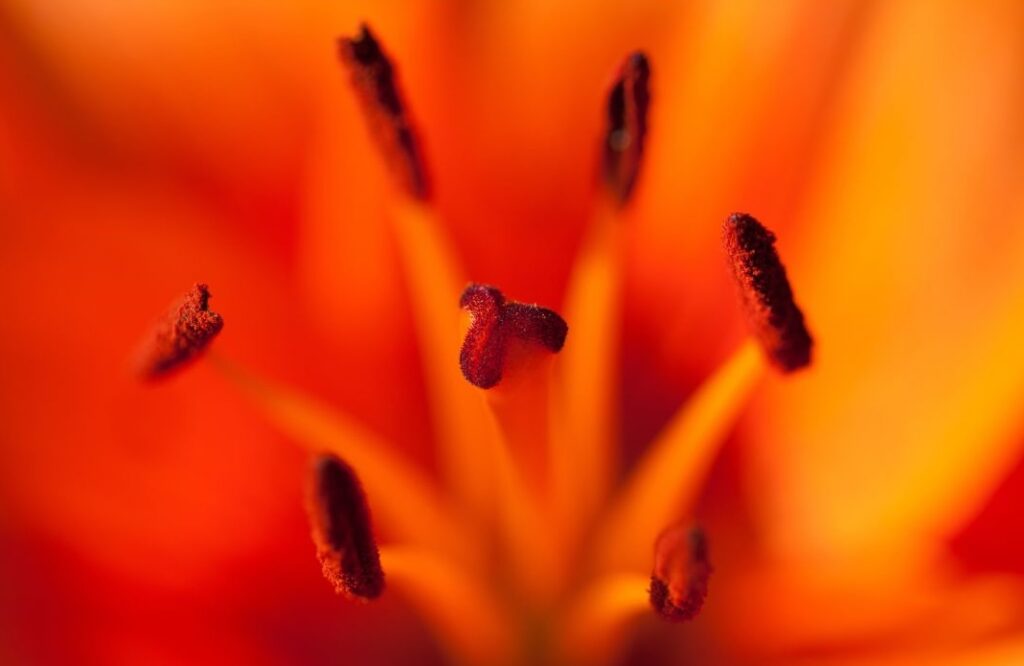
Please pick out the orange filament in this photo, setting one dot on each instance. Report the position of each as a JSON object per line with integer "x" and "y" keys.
{"x": 586, "y": 420}
{"x": 435, "y": 282}
{"x": 181, "y": 335}
{"x": 524, "y": 546}
{"x": 470, "y": 624}
{"x": 505, "y": 335}
{"x": 406, "y": 502}
{"x": 595, "y": 622}
{"x": 583, "y": 456}
{"x": 668, "y": 477}
{"x": 342, "y": 531}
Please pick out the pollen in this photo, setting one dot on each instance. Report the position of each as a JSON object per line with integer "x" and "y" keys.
{"x": 626, "y": 126}
{"x": 679, "y": 582}
{"x": 767, "y": 297}
{"x": 181, "y": 335}
{"x": 342, "y": 530}
{"x": 376, "y": 86}
{"x": 496, "y": 322}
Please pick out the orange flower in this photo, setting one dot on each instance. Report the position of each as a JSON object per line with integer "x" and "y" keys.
{"x": 143, "y": 148}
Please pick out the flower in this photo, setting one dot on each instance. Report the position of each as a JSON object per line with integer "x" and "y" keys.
{"x": 148, "y": 152}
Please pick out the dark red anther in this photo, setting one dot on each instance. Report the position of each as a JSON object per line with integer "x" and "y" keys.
{"x": 181, "y": 335}
{"x": 494, "y": 322}
{"x": 775, "y": 318}
{"x": 679, "y": 582}
{"x": 626, "y": 127}
{"x": 373, "y": 78}
{"x": 342, "y": 530}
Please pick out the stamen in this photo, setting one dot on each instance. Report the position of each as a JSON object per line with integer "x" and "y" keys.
{"x": 586, "y": 420}
{"x": 468, "y": 621}
{"x": 494, "y": 322}
{"x": 342, "y": 531}
{"x": 671, "y": 472}
{"x": 626, "y": 129}
{"x": 679, "y": 582}
{"x": 181, "y": 335}
{"x": 373, "y": 78}
{"x": 520, "y": 407}
{"x": 596, "y": 621}
{"x": 435, "y": 280}
{"x": 407, "y": 502}
{"x": 764, "y": 289}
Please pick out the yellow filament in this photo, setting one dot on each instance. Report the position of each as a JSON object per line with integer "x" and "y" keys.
{"x": 526, "y": 546}
{"x": 404, "y": 501}
{"x": 520, "y": 407}
{"x": 667, "y": 478}
{"x": 468, "y": 623}
{"x": 435, "y": 284}
{"x": 595, "y": 623}
{"x": 584, "y": 455}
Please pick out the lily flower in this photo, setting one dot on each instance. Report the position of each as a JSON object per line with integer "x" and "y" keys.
{"x": 556, "y": 399}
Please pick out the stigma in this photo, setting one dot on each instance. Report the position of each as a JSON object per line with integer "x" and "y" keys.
{"x": 495, "y": 324}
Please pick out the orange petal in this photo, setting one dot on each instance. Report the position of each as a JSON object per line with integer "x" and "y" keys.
{"x": 912, "y": 272}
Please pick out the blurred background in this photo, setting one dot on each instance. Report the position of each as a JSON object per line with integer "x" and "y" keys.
{"x": 148, "y": 145}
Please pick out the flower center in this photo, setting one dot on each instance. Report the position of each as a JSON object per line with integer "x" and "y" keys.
{"x": 496, "y": 324}
{"x": 526, "y": 547}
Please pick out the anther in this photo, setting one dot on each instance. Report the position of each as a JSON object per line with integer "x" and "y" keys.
{"x": 773, "y": 315}
{"x": 342, "y": 530}
{"x": 626, "y": 127}
{"x": 494, "y": 323}
{"x": 182, "y": 334}
{"x": 373, "y": 78}
{"x": 679, "y": 582}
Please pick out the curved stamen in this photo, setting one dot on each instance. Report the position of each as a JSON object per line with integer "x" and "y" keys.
{"x": 767, "y": 297}
{"x": 342, "y": 530}
{"x": 181, "y": 335}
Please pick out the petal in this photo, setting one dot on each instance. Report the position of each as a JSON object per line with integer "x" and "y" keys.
{"x": 913, "y": 279}
{"x": 892, "y": 603}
